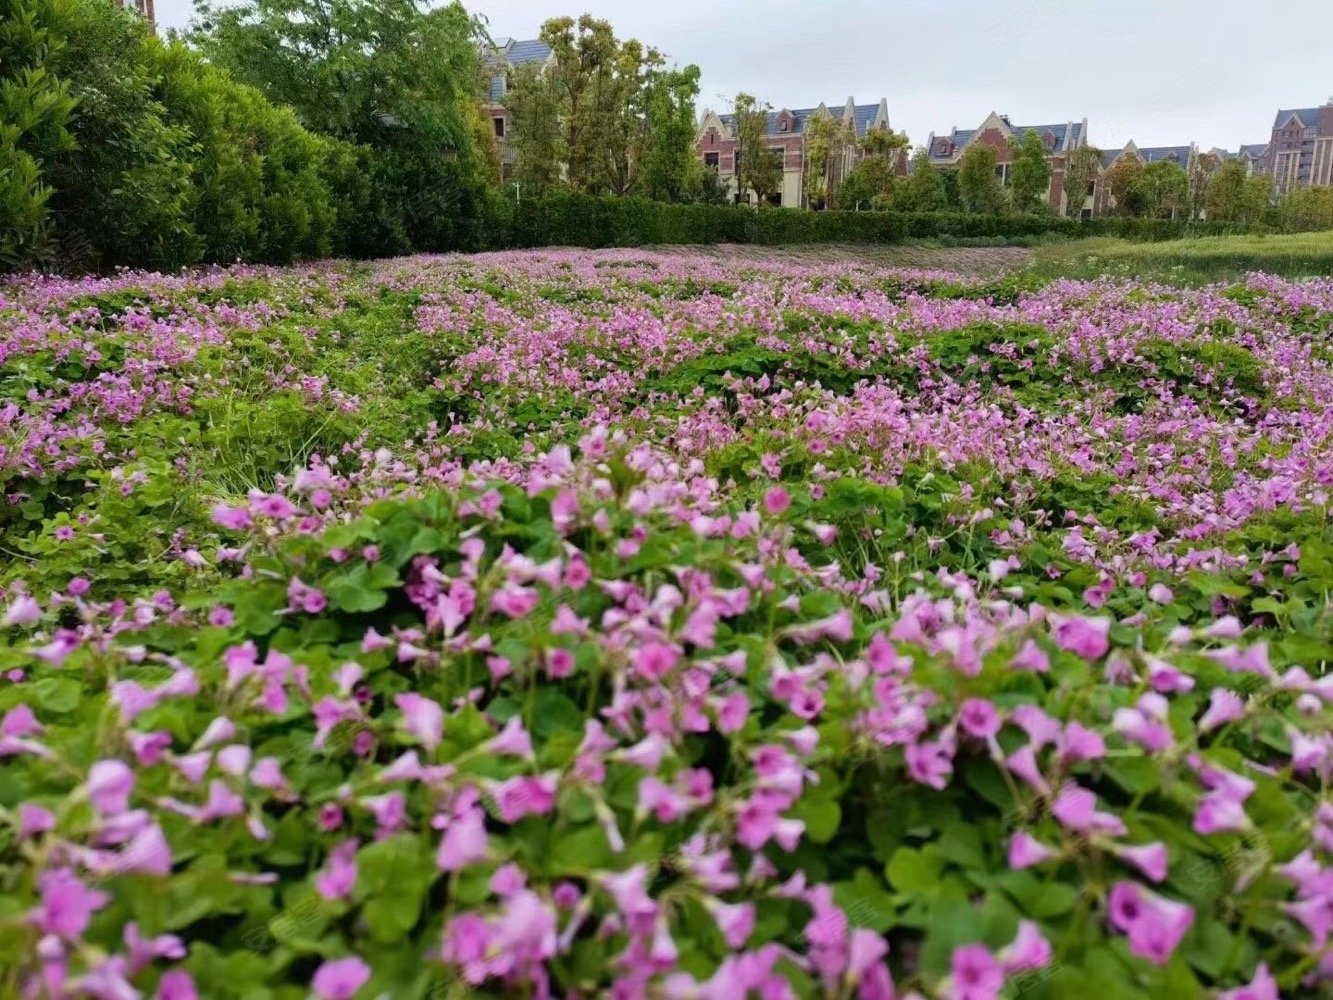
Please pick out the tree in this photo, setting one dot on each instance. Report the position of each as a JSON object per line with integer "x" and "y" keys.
{"x": 665, "y": 160}
{"x": 1202, "y": 171}
{"x": 1029, "y": 173}
{"x": 978, "y": 186}
{"x": 535, "y": 136}
{"x": 35, "y": 106}
{"x": 873, "y": 181}
{"x": 393, "y": 75}
{"x": 1161, "y": 190}
{"x": 824, "y": 136}
{"x": 1082, "y": 166}
{"x": 709, "y": 188}
{"x": 923, "y": 190}
{"x": 759, "y": 168}
{"x": 1120, "y": 179}
{"x": 1304, "y": 209}
{"x": 1234, "y": 196}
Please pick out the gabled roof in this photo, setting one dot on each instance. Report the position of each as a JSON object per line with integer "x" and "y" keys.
{"x": 1150, "y": 154}
{"x": 1254, "y": 151}
{"x": 863, "y": 117}
{"x": 511, "y": 53}
{"x": 1067, "y": 136}
{"x": 1308, "y": 117}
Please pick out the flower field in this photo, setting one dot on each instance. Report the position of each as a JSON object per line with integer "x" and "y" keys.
{"x": 640, "y": 624}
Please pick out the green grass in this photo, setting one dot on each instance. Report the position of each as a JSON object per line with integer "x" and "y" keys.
{"x": 1202, "y": 259}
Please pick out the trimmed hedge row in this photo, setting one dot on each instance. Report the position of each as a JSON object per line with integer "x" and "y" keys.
{"x": 576, "y": 220}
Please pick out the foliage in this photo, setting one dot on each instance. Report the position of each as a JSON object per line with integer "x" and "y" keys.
{"x": 665, "y": 164}
{"x": 1234, "y": 196}
{"x": 923, "y": 188}
{"x": 1029, "y": 172}
{"x": 535, "y": 133}
{"x": 1202, "y": 170}
{"x": 979, "y": 188}
{"x": 395, "y": 76}
{"x": 760, "y": 167}
{"x": 1082, "y": 165}
{"x": 638, "y": 623}
{"x": 1120, "y": 179}
{"x": 34, "y": 108}
{"x": 1160, "y": 191}
{"x": 874, "y": 181}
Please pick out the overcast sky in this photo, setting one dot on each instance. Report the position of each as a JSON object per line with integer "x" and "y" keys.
{"x": 1160, "y": 72}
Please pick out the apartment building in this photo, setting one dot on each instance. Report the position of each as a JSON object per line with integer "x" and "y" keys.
{"x": 1300, "y": 151}
{"x": 717, "y": 145}
{"x": 1103, "y": 202}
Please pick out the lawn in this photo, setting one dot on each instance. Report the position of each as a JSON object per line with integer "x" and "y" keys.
{"x": 1199, "y": 260}
{"x": 671, "y": 624}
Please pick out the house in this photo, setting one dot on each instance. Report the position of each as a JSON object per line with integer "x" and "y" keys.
{"x": 1103, "y": 202}
{"x": 1255, "y": 157}
{"x": 498, "y": 62}
{"x": 717, "y": 145}
{"x": 1300, "y": 151}
{"x": 1060, "y": 140}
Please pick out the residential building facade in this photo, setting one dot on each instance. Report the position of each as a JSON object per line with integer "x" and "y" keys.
{"x": 1061, "y": 139}
{"x": 1300, "y": 151}
{"x": 499, "y": 62}
{"x": 717, "y": 145}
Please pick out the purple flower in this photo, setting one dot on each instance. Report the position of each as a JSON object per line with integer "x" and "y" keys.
{"x": 465, "y": 842}
{"x": 1029, "y": 950}
{"x": 67, "y": 905}
{"x": 1262, "y": 987}
{"x": 975, "y": 973}
{"x": 340, "y": 979}
{"x": 1223, "y": 706}
{"x": 339, "y": 878}
{"x": 979, "y": 718}
{"x": 423, "y": 718}
{"x": 1085, "y": 637}
{"x": 1026, "y": 851}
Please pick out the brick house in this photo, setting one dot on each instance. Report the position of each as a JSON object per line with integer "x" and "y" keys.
{"x": 1300, "y": 151}
{"x": 1060, "y": 139}
{"x": 1103, "y": 203}
{"x": 717, "y": 145}
{"x": 498, "y": 62}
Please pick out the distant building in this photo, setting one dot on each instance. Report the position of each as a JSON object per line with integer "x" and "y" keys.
{"x": 717, "y": 145}
{"x": 1300, "y": 152}
{"x": 143, "y": 7}
{"x": 1060, "y": 140}
{"x": 1255, "y": 157}
{"x": 499, "y": 62}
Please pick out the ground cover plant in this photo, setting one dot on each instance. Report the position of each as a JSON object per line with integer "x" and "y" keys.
{"x": 1200, "y": 259}
{"x": 625, "y": 623}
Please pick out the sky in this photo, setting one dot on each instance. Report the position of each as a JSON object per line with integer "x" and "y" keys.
{"x": 1160, "y": 72}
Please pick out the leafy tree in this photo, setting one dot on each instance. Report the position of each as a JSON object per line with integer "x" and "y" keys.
{"x": 665, "y": 160}
{"x": 601, "y": 82}
{"x": 708, "y": 186}
{"x": 393, "y": 75}
{"x": 1161, "y": 190}
{"x": 535, "y": 135}
{"x": 1082, "y": 166}
{"x": 978, "y": 186}
{"x": 1234, "y": 196}
{"x": 1119, "y": 179}
{"x": 1303, "y": 209}
{"x": 35, "y": 106}
{"x": 826, "y": 141}
{"x": 923, "y": 190}
{"x": 1202, "y": 170}
{"x": 1029, "y": 173}
{"x": 760, "y": 168}
{"x": 874, "y": 181}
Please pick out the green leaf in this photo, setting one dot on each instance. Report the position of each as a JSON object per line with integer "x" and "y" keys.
{"x": 911, "y": 870}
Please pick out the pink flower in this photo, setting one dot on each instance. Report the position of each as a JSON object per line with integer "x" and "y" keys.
{"x": 735, "y": 921}
{"x": 34, "y": 820}
{"x": 176, "y": 985}
{"x": 1155, "y": 925}
{"x": 1076, "y": 809}
{"x": 424, "y": 719}
{"x": 1031, "y": 657}
{"x": 979, "y": 718}
{"x": 1219, "y": 812}
{"x": 338, "y": 880}
{"x": 1159, "y": 593}
{"x": 231, "y": 518}
{"x": 1262, "y": 987}
{"x": 975, "y": 973}
{"x": 1026, "y": 851}
{"x": 1085, "y": 637}
{"x": 1029, "y": 950}
{"x": 340, "y": 979}
{"x": 776, "y": 501}
{"x": 1078, "y": 743}
{"x": 513, "y": 739}
{"x": 930, "y": 763}
{"x": 524, "y": 796}
{"x": 1147, "y": 858}
{"x": 110, "y": 783}
{"x": 67, "y": 905}
{"x": 1223, "y": 706}
{"x": 23, "y": 611}
{"x": 465, "y": 842}
{"x": 655, "y": 660}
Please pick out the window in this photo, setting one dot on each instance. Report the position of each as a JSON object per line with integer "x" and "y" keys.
{"x": 784, "y": 126}
{"x": 499, "y": 127}
{"x": 713, "y": 160}
{"x": 1092, "y": 188}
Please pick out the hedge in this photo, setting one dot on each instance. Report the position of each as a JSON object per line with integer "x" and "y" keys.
{"x": 577, "y": 220}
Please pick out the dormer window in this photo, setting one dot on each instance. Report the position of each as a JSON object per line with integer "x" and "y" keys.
{"x": 1048, "y": 140}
